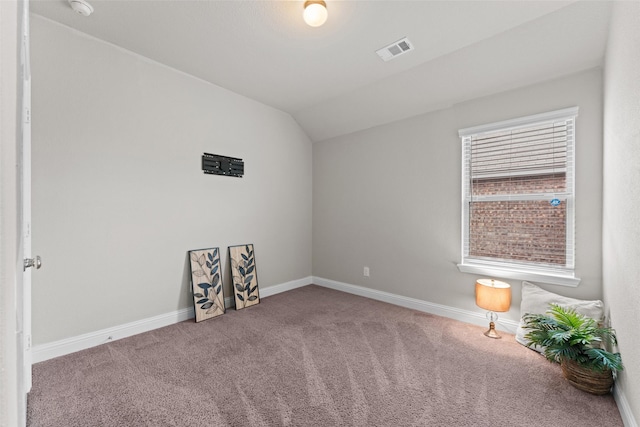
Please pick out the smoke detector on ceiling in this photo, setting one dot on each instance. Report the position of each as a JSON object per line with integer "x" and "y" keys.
{"x": 81, "y": 7}
{"x": 394, "y": 50}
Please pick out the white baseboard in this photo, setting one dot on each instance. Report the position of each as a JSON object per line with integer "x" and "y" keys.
{"x": 623, "y": 406}
{"x": 81, "y": 342}
{"x": 228, "y": 302}
{"x": 466, "y": 316}
{"x": 287, "y": 286}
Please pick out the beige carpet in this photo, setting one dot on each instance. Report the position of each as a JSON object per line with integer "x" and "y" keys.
{"x": 312, "y": 357}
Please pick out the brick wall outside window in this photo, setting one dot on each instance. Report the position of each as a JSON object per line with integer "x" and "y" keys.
{"x": 519, "y": 230}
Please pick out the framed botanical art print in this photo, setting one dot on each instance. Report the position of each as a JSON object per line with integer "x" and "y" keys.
{"x": 244, "y": 275}
{"x": 206, "y": 283}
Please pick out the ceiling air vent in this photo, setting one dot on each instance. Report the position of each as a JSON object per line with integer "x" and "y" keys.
{"x": 394, "y": 50}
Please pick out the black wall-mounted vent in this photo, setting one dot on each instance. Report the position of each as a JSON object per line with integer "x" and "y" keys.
{"x": 222, "y": 165}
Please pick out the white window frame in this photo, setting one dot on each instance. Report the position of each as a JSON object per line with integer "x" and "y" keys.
{"x": 564, "y": 275}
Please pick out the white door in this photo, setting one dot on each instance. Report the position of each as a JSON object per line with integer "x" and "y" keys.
{"x": 29, "y": 262}
{"x": 15, "y": 121}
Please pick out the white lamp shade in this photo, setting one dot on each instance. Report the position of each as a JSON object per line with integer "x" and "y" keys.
{"x": 315, "y": 13}
{"x": 493, "y": 295}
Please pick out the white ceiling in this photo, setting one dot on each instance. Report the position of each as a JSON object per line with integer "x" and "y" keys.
{"x": 330, "y": 78}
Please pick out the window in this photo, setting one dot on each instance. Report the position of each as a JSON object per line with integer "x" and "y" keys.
{"x": 518, "y": 198}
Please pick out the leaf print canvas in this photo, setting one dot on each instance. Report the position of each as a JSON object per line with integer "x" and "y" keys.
{"x": 245, "y": 277}
{"x": 206, "y": 282}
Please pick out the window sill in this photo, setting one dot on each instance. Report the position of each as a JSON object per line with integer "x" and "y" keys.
{"x": 550, "y": 277}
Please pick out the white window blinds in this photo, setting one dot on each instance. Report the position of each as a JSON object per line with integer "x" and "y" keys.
{"x": 521, "y": 152}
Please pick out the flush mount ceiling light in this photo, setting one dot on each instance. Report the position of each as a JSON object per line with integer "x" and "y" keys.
{"x": 315, "y": 12}
{"x": 81, "y": 7}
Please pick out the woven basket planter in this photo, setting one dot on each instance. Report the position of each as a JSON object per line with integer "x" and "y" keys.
{"x": 594, "y": 382}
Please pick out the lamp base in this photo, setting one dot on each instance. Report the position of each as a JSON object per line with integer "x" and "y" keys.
{"x": 491, "y": 333}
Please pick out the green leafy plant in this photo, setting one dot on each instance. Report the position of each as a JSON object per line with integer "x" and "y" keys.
{"x": 567, "y": 335}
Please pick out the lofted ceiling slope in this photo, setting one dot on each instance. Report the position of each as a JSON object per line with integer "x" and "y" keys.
{"x": 330, "y": 78}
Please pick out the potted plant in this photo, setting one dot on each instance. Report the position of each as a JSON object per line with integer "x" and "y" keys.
{"x": 579, "y": 344}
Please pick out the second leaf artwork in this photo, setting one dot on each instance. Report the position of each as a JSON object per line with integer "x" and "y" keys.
{"x": 244, "y": 275}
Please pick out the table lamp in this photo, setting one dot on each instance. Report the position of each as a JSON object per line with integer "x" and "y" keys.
{"x": 495, "y": 296}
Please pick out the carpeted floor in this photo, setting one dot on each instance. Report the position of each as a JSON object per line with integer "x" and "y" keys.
{"x": 312, "y": 357}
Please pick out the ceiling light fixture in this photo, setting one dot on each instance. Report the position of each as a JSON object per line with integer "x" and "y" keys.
{"x": 315, "y": 12}
{"x": 81, "y": 7}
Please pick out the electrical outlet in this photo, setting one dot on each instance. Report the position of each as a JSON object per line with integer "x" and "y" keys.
{"x": 366, "y": 272}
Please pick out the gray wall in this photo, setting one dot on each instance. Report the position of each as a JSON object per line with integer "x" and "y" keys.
{"x": 621, "y": 212}
{"x": 118, "y": 192}
{"x": 390, "y": 197}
